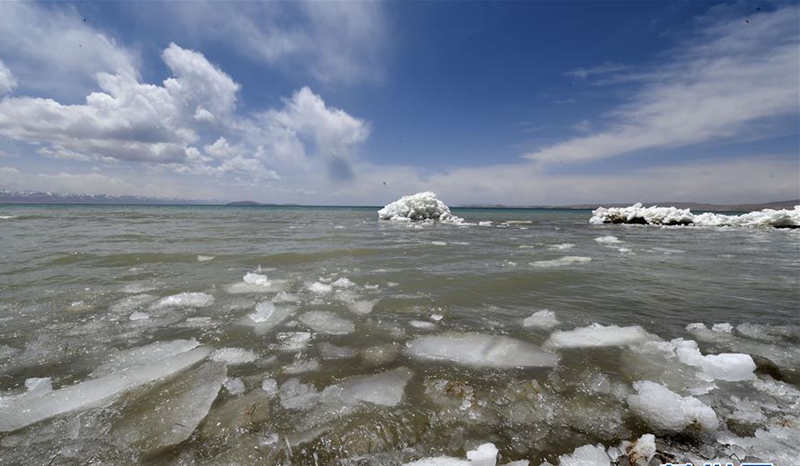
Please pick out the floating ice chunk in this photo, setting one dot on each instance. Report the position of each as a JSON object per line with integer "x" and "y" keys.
{"x": 623, "y": 250}
{"x": 139, "y": 316}
{"x": 270, "y": 387}
{"x": 184, "y": 300}
{"x": 642, "y": 449}
{"x": 179, "y": 407}
{"x": 320, "y": 288}
{"x": 607, "y": 239}
{"x": 732, "y": 367}
{"x": 143, "y": 355}
{"x": 596, "y": 335}
{"x": 665, "y": 410}
{"x": 38, "y": 385}
{"x": 480, "y": 350}
{"x": 587, "y": 455}
{"x": 422, "y": 324}
{"x": 545, "y": 319}
{"x": 329, "y": 351}
{"x": 20, "y": 412}
{"x": 384, "y": 389}
{"x": 327, "y": 323}
{"x": 487, "y": 223}
{"x": 234, "y": 386}
{"x": 202, "y": 258}
{"x": 437, "y": 317}
{"x": 131, "y": 303}
{"x": 380, "y": 354}
{"x": 298, "y": 366}
{"x": 362, "y": 307}
{"x": 562, "y": 261}
{"x": 284, "y": 297}
{"x": 420, "y": 206}
{"x": 256, "y": 279}
{"x": 234, "y": 356}
{"x": 294, "y": 341}
{"x": 136, "y": 288}
{"x": 296, "y": 395}
{"x": 266, "y": 317}
{"x": 724, "y": 328}
{"x": 343, "y": 282}
{"x": 484, "y": 455}
{"x": 562, "y": 246}
{"x": 439, "y": 243}
{"x": 264, "y": 310}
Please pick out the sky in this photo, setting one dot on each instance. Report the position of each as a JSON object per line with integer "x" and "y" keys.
{"x": 358, "y": 103}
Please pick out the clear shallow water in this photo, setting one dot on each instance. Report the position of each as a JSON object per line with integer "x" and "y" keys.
{"x": 66, "y": 273}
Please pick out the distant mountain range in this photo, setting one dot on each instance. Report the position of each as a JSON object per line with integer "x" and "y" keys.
{"x": 36, "y": 197}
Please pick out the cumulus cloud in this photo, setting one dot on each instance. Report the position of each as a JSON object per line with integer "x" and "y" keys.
{"x": 51, "y": 49}
{"x": 339, "y": 42}
{"x": 727, "y": 76}
{"x": 7, "y": 80}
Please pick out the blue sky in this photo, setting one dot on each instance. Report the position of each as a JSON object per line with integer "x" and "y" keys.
{"x": 358, "y": 103}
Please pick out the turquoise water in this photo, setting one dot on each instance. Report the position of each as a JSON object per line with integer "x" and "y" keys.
{"x": 71, "y": 277}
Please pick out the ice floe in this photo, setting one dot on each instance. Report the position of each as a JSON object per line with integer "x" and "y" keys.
{"x": 544, "y": 319}
{"x": 587, "y": 455}
{"x": 480, "y": 350}
{"x": 384, "y": 389}
{"x": 655, "y": 215}
{"x": 417, "y": 207}
{"x": 327, "y": 323}
{"x": 607, "y": 239}
{"x": 320, "y": 288}
{"x": 484, "y": 455}
{"x": 234, "y": 356}
{"x": 597, "y": 335}
{"x": 256, "y": 279}
{"x": 562, "y": 261}
{"x": 184, "y": 300}
{"x": 202, "y": 258}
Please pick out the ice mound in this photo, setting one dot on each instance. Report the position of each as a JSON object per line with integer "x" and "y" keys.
{"x": 420, "y": 206}
{"x": 587, "y": 455}
{"x": 480, "y": 350}
{"x": 673, "y": 216}
{"x": 22, "y": 411}
{"x": 566, "y": 260}
{"x": 184, "y": 300}
{"x": 667, "y": 411}
{"x": 327, "y": 323}
{"x": 596, "y": 335}
{"x": 544, "y": 319}
{"x": 234, "y": 356}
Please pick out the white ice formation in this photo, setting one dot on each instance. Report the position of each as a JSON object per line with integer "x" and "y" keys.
{"x": 667, "y": 411}
{"x": 480, "y": 350}
{"x": 419, "y": 207}
{"x": 544, "y": 319}
{"x": 654, "y": 215}
{"x": 597, "y": 335}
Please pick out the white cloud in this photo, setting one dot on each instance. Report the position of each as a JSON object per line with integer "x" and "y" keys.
{"x": 726, "y": 77}
{"x": 604, "y": 69}
{"x": 7, "y": 81}
{"x": 51, "y": 49}
{"x": 338, "y": 42}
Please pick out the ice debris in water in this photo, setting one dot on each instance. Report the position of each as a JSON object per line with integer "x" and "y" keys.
{"x": 607, "y": 239}
{"x": 484, "y": 455}
{"x": 266, "y": 317}
{"x": 234, "y": 386}
{"x": 270, "y": 387}
{"x": 731, "y": 367}
{"x": 343, "y": 282}
{"x": 22, "y": 411}
{"x": 422, "y": 324}
{"x": 320, "y": 288}
{"x": 420, "y": 206}
{"x": 327, "y": 323}
{"x": 587, "y": 455}
{"x": 256, "y": 279}
{"x": 480, "y": 350}
{"x": 184, "y": 300}
{"x": 544, "y": 319}
{"x": 362, "y": 307}
{"x": 384, "y": 389}
{"x": 597, "y": 335}
{"x": 562, "y": 261}
{"x": 202, "y": 258}
{"x": 139, "y": 316}
{"x": 38, "y": 385}
{"x": 234, "y": 356}
{"x": 667, "y": 411}
{"x": 787, "y": 218}
{"x": 143, "y": 355}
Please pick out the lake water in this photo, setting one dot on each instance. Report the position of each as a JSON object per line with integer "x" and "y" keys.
{"x": 381, "y": 343}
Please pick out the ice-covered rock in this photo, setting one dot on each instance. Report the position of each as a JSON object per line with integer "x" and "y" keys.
{"x": 184, "y": 300}
{"x": 23, "y": 411}
{"x": 326, "y": 322}
{"x": 597, "y": 335}
{"x": 562, "y": 261}
{"x": 667, "y": 411}
{"x": 420, "y": 206}
{"x": 544, "y": 319}
{"x": 234, "y": 356}
{"x": 480, "y": 350}
{"x": 787, "y": 218}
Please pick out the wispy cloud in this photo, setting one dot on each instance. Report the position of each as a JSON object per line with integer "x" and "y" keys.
{"x": 725, "y": 77}
{"x": 600, "y": 70}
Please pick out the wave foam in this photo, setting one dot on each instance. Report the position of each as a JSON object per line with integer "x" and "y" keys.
{"x": 654, "y": 215}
